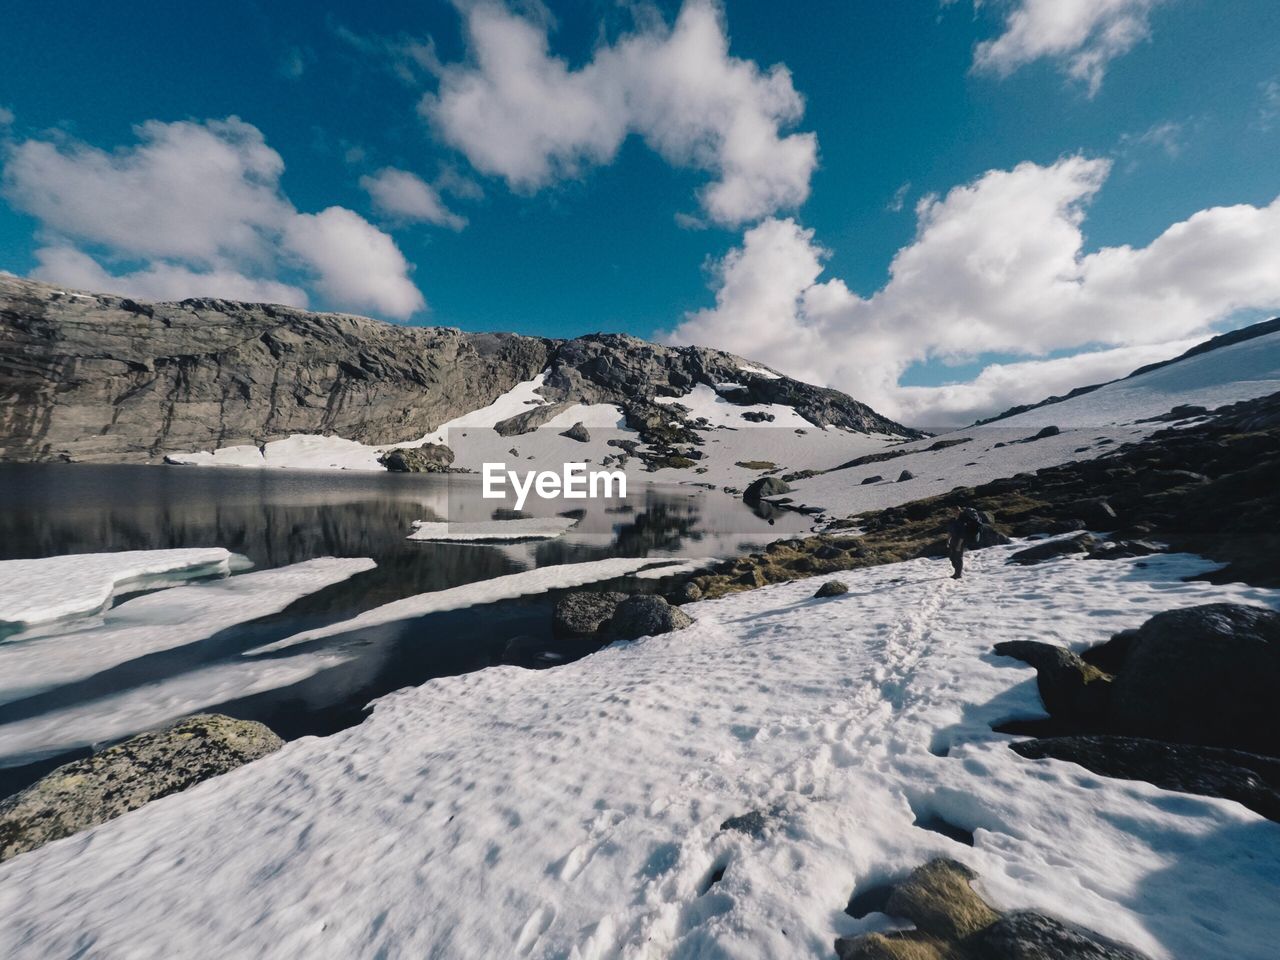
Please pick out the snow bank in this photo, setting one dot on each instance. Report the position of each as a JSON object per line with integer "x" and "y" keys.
{"x": 557, "y": 577}
{"x": 159, "y": 621}
{"x": 76, "y": 585}
{"x": 575, "y": 812}
{"x": 490, "y": 531}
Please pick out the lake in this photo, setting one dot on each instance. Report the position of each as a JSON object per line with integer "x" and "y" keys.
{"x": 274, "y": 518}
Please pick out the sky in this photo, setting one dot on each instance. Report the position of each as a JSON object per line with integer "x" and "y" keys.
{"x": 941, "y": 207}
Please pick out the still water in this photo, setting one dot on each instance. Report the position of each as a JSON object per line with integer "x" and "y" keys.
{"x": 276, "y": 518}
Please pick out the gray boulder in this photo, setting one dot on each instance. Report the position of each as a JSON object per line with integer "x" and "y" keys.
{"x": 832, "y": 588}
{"x": 646, "y": 616}
{"x": 1074, "y": 691}
{"x": 579, "y": 614}
{"x": 1205, "y": 675}
{"x": 1246, "y": 778}
{"x": 428, "y": 458}
{"x": 1024, "y": 935}
{"x": 88, "y": 792}
{"x": 764, "y": 487}
{"x": 906, "y": 475}
{"x": 530, "y": 420}
{"x": 1053, "y": 549}
{"x": 578, "y": 432}
{"x": 875, "y": 479}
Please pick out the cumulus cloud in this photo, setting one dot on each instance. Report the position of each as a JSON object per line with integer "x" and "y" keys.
{"x": 354, "y": 262}
{"x": 520, "y": 113}
{"x": 159, "y": 281}
{"x": 1083, "y": 36}
{"x": 200, "y": 205}
{"x": 406, "y": 197}
{"x": 996, "y": 266}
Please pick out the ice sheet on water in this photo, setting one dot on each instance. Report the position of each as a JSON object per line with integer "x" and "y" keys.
{"x": 160, "y": 621}
{"x": 76, "y": 585}
{"x": 493, "y": 531}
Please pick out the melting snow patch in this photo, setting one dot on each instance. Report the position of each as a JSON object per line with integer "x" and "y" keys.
{"x": 493, "y": 531}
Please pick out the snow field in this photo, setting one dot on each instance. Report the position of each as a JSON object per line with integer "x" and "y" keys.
{"x": 491, "y": 531}
{"x": 574, "y": 813}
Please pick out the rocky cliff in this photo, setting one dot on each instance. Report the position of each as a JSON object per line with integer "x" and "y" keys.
{"x": 102, "y": 378}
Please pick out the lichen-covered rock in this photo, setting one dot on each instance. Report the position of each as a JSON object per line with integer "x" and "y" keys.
{"x": 765, "y": 487}
{"x": 832, "y": 588}
{"x": 427, "y": 458}
{"x": 1073, "y": 690}
{"x": 580, "y": 614}
{"x": 938, "y": 899}
{"x": 108, "y": 784}
{"x": 646, "y": 616}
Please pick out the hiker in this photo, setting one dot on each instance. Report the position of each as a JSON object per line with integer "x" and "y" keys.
{"x": 962, "y": 530}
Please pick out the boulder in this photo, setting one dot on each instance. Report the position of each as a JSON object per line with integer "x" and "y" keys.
{"x": 85, "y": 793}
{"x": 687, "y": 592}
{"x": 530, "y": 420}
{"x": 937, "y": 898}
{"x": 1052, "y": 549}
{"x": 646, "y": 616}
{"x": 1045, "y": 432}
{"x": 580, "y": 614}
{"x": 752, "y": 824}
{"x": 1025, "y": 935}
{"x": 906, "y": 475}
{"x": 758, "y": 416}
{"x": 1074, "y": 691}
{"x": 1096, "y": 512}
{"x": 875, "y": 479}
{"x": 832, "y": 588}
{"x": 1246, "y": 778}
{"x": 1120, "y": 549}
{"x": 428, "y": 458}
{"x": 1205, "y": 675}
{"x": 765, "y": 487}
{"x": 578, "y": 432}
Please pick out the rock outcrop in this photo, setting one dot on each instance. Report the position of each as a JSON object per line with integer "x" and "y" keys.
{"x": 428, "y": 458}
{"x": 103, "y": 378}
{"x": 88, "y": 792}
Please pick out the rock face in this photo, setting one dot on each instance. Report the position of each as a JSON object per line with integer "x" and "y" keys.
{"x": 579, "y": 614}
{"x": 646, "y": 616}
{"x": 953, "y": 923}
{"x": 1205, "y": 675}
{"x": 88, "y": 792}
{"x": 428, "y": 458}
{"x": 103, "y": 378}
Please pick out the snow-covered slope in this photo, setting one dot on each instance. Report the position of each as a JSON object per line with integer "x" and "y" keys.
{"x": 1090, "y": 424}
{"x": 575, "y": 813}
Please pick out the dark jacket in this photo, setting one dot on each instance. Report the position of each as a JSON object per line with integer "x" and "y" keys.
{"x": 963, "y": 530}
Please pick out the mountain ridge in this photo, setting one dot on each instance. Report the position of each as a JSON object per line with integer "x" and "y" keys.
{"x": 104, "y": 378}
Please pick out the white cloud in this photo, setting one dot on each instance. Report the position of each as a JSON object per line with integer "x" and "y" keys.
{"x": 200, "y": 204}
{"x": 522, "y": 114}
{"x": 355, "y": 262}
{"x": 1268, "y": 108}
{"x": 159, "y": 281}
{"x": 405, "y": 196}
{"x": 1083, "y": 36}
{"x": 6, "y": 116}
{"x": 899, "y": 199}
{"x": 997, "y": 265}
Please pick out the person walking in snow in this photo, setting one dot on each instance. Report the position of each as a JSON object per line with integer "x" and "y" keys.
{"x": 962, "y": 530}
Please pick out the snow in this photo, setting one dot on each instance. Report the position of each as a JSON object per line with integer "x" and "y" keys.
{"x": 759, "y": 371}
{"x": 574, "y": 812}
{"x": 526, "y": 583}
{"x": 297, "y": 452}
{"x": 1241, "y": 371}
{"x": 77, "y": 585}
{"x": 491, "y": 531}
{"x": 156, "y": 622}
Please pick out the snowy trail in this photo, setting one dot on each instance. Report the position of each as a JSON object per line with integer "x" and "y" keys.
{"x": 575, "y": 813}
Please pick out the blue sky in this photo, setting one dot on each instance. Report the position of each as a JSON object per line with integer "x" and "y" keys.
{"x": 582, "y": 205}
